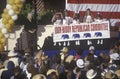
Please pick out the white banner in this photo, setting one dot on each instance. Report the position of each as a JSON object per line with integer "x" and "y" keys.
{"x": 82, "y": 31}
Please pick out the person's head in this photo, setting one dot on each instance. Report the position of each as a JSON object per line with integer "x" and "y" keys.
{"x": 58, "y": 16}
{"x": 88, "y": 12}
{"x": 52, "y": 74}
{"x": 99, "y": 16}
{"x": 17, "y": 71}
{"x": 98, "y": 61}
{"x": 92, "y": 52}
{"x": 31, "y": 69}
{"x": 10, "y": 65}
{"x": 30, "y": 15}
{"x": 76, "y": 16}
{"x": 64, "y": 50}
{"x": 109, "y": 75}
{"x": 39, "y": 76}
{"x": 80, "y": 63}
{"x": 92, "y": 49}
{"x": 66, "y": 13}
{"x": 24, "y": 60}
{"x": 91, "y": 74}
{"x": 89, "y": 57}
{"x": 57, "y": 59}
{"x": 117, "y": 72}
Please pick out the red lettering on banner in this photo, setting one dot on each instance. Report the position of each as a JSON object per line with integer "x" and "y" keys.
{"x": 86, "y": 28}
{"x": 57, "y": 30}
{"x": 75, "y": 28}
{"x": 98, "y": 27}
{"x": 105, "y": 26}
{"x": 80, "y": 28}
{"x": 66, "y": 29}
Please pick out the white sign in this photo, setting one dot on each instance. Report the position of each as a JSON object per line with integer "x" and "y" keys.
{"x": 82, "y": 31}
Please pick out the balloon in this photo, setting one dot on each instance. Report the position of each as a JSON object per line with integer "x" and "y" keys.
{"x": 7, "y": 17}
{"x": 11, "y": 2}
{"x": 4, "y": 21}
{"x": 3, "y": 40}
{"x": 11, "y": 12}
{"x": 2, "y": 25}
{"x": 3, "y": 15}
{"x": 1, "y": 35}
{"x": 18, "y": 2}
{"x": 4, "y": 30}
{"x": 8, "y": 27}
{"x": 8, "y": 6}
{"x": 6, "y": 35}
{"x": 14, "y": 17}
{"x": 5, "y": 11}
{"x": 11, "y": 21}
{"x": 20, "y": 5}
{"x": 17, "y": 12}
{"x": 15, "y": 8}
{"x": 1, "y": 48}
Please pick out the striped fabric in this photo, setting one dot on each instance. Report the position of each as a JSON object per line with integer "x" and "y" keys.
{"x": 110, "y": 9}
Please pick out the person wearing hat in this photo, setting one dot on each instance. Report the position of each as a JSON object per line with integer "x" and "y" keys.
{"x": 13, "y": 57}
{"x": 39, "y": 76}
{"x": 91, "y": 74}
{"x": 52, "y": 74}
{"x": 80, "y": 63}
{"x": 109, "y": 75}
{"x": 82, "y": 69}
{"x": 69, "y": 58}
{"x": 64, "y": 54}
{"x": 117, "y": 72}
{"x": 92, "y": 51}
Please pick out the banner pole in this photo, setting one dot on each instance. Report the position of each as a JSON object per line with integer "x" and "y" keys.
{"x": 66, "y": 1}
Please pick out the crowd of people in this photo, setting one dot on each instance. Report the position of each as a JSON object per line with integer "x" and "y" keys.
{"x": 60, "y": 18}
{"x": 38, "y": 65}
{"x": 14, "y": 65}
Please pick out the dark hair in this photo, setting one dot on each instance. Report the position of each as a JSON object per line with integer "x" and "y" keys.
{"x": 53, "y": 76}
{"x": 57, "y": 59}
{"x": 10, "y": 65}
{"x": 88, "y": 9}
{"x": 79, "y": 51}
